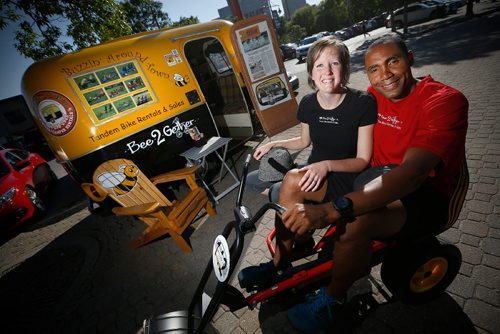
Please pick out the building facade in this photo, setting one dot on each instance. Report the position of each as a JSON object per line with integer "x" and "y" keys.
{"x": 15, "y": 119}
{"x": 251, "y": 8}
{"x": 291, "y": 6}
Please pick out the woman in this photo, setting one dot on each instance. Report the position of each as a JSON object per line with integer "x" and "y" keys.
{"x": 337, "y": 120}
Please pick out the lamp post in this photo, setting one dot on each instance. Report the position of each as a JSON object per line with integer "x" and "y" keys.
{"x": 274, "y": 14}
{"x": 236, "y": 9}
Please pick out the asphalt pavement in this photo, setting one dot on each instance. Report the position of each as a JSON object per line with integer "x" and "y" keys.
{"x": 73, "y": 272}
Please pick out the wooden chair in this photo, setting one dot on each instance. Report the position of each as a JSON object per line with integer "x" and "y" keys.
{"x": 138, "y": 196}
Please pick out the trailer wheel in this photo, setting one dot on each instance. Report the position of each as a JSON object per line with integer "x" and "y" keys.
{"x": 419, "y": 275}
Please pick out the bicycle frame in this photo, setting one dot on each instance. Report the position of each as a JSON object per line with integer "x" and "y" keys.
{"x": 202, "y": 309}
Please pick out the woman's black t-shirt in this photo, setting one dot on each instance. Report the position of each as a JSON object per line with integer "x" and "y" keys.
{"x": 334, "y": 133}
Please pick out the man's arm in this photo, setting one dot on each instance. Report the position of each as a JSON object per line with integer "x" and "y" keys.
{"x": 395, "y": 184}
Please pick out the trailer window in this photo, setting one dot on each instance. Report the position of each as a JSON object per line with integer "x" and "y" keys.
{"x": 217, "y": 57}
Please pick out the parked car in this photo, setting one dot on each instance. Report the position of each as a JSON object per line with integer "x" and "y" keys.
{"x": 348, "y": 32}
{"x": 342, "y": 35}
{"x": 451, "y": 6}
{"x": 294, "y": 80}
{"x": 417, "y": 12}
{"x": 24, "y": 177}
{"x": 305, "y": 44}
{"x": 288, "y": 50}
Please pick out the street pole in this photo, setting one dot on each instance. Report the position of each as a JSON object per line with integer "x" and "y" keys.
{"x": 235, "y": 6}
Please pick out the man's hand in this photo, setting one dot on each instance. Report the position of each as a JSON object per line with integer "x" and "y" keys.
{"x": 301, "y": 218}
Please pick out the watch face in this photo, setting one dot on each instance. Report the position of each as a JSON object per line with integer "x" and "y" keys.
{"x": 344, "y": 206}
{"x": 342, "y": 203}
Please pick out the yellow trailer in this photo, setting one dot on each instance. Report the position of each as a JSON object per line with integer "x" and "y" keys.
{"x": 150, "y": 96}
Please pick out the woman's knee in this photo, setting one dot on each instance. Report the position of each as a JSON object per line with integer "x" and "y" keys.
{"x": 291, "y": 180}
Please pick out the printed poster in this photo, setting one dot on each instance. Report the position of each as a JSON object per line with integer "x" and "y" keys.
{"x": 258, "y": 52}
{"x": 271, "y": 91}
{"x": 109, "y": 91}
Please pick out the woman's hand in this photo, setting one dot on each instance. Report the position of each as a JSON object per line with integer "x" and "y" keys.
{"x": 314, "y": 176}
{"x": 261, "y": 150}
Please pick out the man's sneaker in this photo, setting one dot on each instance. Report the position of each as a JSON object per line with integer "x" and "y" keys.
{"x": 257, "y": 276}
{"x": 315, "y": 314}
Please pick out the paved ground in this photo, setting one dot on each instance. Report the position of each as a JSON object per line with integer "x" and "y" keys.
{"x": 73, "y": 273}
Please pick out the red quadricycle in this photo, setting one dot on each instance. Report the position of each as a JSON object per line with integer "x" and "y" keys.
{"x": 414, "y": 272}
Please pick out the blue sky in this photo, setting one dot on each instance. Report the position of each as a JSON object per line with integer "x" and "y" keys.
{"x": 13, "y": 64}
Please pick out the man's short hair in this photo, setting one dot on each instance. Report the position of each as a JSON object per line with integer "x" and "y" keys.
{"x": 390, "y": 39}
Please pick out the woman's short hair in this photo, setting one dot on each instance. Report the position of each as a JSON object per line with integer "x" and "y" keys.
{"x": 318, "y": 47}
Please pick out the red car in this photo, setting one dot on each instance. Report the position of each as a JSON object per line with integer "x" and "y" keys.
{"x": 24, "y": 176}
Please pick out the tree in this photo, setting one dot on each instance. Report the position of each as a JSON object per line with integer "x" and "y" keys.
{"x": 305, "y": 17}
{"x": 41, "y": 24}
{"x": 144, "y": 15}
{"x": 365, "y": 9}
{"x": 469, "y": 12}
{"x": 185, "y": 21}
{"x": 295, "y": 33}
{"x": 332, "y": 15}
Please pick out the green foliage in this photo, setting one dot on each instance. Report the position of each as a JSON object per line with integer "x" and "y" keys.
{"x": 145, "y": 15}
{"x": 296, "y": 33}
{"x": 185, "y": 21}
{"x": 53, "y": 27}
{"x": 305, "y": 17}
{"x": 6, "y": 14}
{"x": 331, "y": 15}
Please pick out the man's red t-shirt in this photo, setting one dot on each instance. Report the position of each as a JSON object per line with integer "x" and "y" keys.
{"x": 432, "y": 117}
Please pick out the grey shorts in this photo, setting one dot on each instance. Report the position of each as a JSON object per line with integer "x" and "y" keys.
{"x": 426, "y": 208}
{"x": 426, "y": 213}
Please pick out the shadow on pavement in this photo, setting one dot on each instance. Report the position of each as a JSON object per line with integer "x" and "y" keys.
{"x": 363, "y": 314}
{"x": 63, "y": 199}
{"x": 87, "y": 280}
{"x": 474, "y": 38}
{"x": 442, "y": 315}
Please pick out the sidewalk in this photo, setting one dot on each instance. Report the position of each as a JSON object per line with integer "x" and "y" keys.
{"x": 77, "y": 275}
{"x": 464, "y": 53}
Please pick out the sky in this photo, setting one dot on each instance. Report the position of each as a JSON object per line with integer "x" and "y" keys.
{"x": 13, "y": 64}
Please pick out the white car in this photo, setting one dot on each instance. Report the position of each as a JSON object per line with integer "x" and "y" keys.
{"x": 417, "y": 12}
{"x": 305, "y": 44}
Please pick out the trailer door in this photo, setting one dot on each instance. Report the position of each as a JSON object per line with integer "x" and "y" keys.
{"x": 219, "y": 85}
{"x": 264, "y": 73}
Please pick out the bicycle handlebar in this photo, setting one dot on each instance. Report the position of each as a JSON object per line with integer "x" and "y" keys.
{"x": 244, "y": 173}
{"x": 243, "y": 216}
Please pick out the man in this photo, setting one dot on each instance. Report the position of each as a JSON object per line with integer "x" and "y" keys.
{"x": 421, "y": 128}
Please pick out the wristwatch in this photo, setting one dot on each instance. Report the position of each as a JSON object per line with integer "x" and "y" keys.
{"x": 345, "y": 208}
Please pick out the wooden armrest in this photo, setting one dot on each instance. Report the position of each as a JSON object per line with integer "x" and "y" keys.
{"x": 94, "y": 192}
{"x": 174, "y": 175}
{"x": 136, "y": 210}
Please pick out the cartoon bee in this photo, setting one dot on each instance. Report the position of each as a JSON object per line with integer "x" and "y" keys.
{"x": 180, "y": 81}
{"x": 122, "y": 181}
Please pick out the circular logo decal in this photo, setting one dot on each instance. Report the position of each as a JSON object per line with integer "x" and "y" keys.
{"x": 221, "y": 258}
{"x": 56, "y": 112}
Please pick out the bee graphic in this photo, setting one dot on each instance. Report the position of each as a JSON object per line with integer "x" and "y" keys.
{"x": 122, "y": 181}
{"x": 180, "y": 81}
